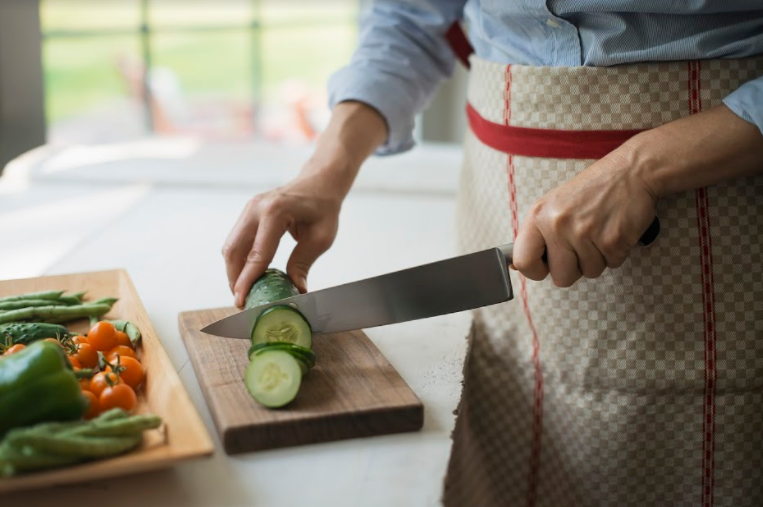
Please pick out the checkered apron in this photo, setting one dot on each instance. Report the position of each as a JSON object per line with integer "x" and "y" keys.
{"x": 643, "y": 387}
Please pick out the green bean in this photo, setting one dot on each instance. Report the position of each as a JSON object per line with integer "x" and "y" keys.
{"x": 13, "y": 460}
{"x": 28, "y": 303}
{"x": 128, "y": 327}
{"x": 105, "y": 301}
{"x": 116, "y": 428}
{"x": 55, "y": 314}
{"x": 76, "y": 446}
{"x": 50, "y": 294}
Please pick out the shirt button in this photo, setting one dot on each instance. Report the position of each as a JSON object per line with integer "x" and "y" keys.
{"x": 553, "y": 23}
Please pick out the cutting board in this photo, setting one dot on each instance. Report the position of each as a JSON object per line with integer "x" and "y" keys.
{"x": 353, "y": 391}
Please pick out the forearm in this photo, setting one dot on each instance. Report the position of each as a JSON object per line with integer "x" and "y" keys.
{"x": 354, "y": 132}
{"x": 697, "y": 151}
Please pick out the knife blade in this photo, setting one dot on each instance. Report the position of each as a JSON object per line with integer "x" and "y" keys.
{"x": 448, "y": 286}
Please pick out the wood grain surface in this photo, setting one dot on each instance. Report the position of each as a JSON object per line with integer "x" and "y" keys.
{"x": 181, "y": 437}
{"x": 353, "y": 391}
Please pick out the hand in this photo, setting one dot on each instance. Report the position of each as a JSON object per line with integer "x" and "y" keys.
{"x": 587, "y": 224}
{"x": 306, "y": 207}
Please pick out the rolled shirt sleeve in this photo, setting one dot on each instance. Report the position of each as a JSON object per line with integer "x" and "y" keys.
{"x": 747, "y": 102}
{"x": 402, "y": 57}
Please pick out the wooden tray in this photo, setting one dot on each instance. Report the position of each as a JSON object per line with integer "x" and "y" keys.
{"x": 181, "y": 437}
{"x": 353, "y": 391}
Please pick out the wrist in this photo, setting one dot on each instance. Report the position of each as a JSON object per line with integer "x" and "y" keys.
{"x": 649, "y": 163}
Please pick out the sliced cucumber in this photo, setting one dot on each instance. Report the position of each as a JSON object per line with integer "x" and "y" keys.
{"x": 273, "y": 285}
{"x": 282, "y": 323}
{"x": 305, "y": 357}
{"x": 273, "y": 378}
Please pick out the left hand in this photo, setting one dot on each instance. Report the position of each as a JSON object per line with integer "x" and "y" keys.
{"x": 587, "y": 224}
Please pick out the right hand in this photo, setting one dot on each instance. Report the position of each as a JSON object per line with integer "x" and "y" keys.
{"x": 306, "y": 207}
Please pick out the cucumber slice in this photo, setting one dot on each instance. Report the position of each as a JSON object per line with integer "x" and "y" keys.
{"x": 282, "y": 323}
{"x": 273, "y": 378}
{"x": 305, "y": 357}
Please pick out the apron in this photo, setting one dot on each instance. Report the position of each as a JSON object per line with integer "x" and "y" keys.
{"x": 643, "y": 387}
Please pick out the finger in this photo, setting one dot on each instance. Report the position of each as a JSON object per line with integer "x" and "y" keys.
{"x": 260, "y": 256}
{"x": 239, "y": 242}
{"x": 529, "y": 247}
{"x": 590, "y": 260}
{"x": 313, "y": 245}
{"x": 563, "y": 266}
{"x": 614, "y": 249}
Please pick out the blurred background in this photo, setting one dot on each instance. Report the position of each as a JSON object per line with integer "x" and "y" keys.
{"x": 105, "y": 71}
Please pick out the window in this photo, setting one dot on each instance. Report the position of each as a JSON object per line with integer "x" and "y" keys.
{"x": 230, "y": 69}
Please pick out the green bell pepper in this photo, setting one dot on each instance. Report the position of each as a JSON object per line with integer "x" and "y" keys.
{"x": 38, "y": 384}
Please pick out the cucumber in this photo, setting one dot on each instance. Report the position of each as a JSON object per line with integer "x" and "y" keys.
{"x": 273, "y": 285}
{"x": 282, "y": 323}
{"x": 273, "y": 378}
{"x": 27, "y": 333}
{"x": 305, "y": 357}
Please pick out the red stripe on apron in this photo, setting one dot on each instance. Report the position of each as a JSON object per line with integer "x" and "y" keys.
{"x": 708, "y": 309}
{"x": 547, "y": 143}
{"x": 532, "y": 489}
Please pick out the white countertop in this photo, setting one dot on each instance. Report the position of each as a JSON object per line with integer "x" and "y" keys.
{"x": 161, "y": 209}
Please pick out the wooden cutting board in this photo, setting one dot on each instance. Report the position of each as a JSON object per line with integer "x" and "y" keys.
{"x": 353, "y": 391}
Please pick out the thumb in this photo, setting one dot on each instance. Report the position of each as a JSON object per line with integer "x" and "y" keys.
{"x": 307, "y": 251}
{"x": 529, "y": 247}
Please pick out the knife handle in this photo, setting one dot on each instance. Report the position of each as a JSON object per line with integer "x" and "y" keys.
{"x": 646, "y": 239}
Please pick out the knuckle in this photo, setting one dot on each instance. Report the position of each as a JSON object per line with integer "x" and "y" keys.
{"x": 272, "y": 205}
{"x": 227, "y": 251}
{"x": 558, "y": 219}
{"x": 255, "y": 201}
{"x": 255, "y": 256}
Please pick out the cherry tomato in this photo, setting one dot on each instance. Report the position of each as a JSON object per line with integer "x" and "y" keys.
{"x": 123, "y": 339}
{"x": 94, "y": 409}
{"x": 75, "y": 363}
{"x": 14, "y": 348}
{"x": 122, "y": 351}
{"x": 131, "y": 371}
{"x": 86, "y": 355}
{"x": 84, "y": 384}
{"x": 102, "y": 336}
{"x": 99, "y": 383}
{"x": 120, "y": 396}
{"x": 79, "y": 339}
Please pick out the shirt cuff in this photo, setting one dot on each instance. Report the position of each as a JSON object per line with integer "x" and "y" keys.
{"x": 747, "y": 102}
{"x": 386, "y": 95}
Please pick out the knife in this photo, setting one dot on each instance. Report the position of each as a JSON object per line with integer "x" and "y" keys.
{"x": 448, "y": 286}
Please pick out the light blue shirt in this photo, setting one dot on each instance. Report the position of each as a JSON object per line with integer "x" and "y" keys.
{"x": 403, "y": 55}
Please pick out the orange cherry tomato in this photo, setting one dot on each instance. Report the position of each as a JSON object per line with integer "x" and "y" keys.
{"x": 79, "y": 339}
{"x": 131, "y": 371}
{"x": 102, "y": 336}
{"x": 75, "y": 363}
{"x": 84, "y": 384}
{"x": 120, "y": 396}
{"x": 94, "y": 409}
{"x": 123, "y": 339}
{"x": 122, "y": 351}
{"x": 14, "y": 348}
{"x": 87, "y": 357}
{"x": 99, "y": 383}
